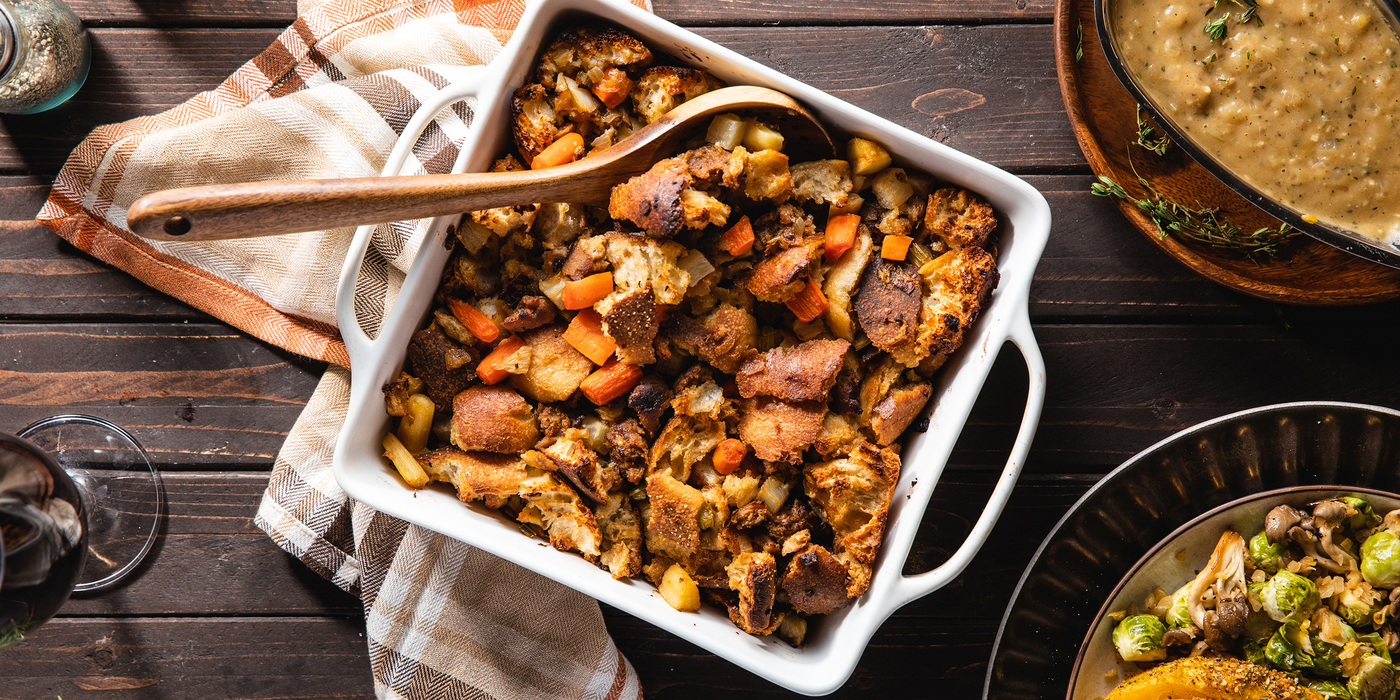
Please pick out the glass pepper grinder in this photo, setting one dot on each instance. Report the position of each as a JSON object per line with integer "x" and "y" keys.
{"x": 44, "y": 55}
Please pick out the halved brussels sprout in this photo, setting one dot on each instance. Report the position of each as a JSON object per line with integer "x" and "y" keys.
{"x": 1179, "y": 615}
{"x": 1374, "y": 681}
{"x": 1289, "y": 648}
{"x": 1380, "y": 560}
{"x": 1288, "y": 596}
{"x": 1330, "y": 689}
{"x": 1265, "y": 554}
{"x": 1353, "y": 609}
{"x": 1139, "y": 638}
{"x": 1364, "y": 517}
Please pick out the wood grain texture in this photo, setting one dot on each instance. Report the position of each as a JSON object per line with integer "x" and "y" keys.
{"x": 1103, "y": 116}
{"x": 279, "y": 13}
{"x": 195, "y": 395}
{"x": 224, "y": 564}
{"x": 989, "y": 90}
{"x": 174, "y": 657}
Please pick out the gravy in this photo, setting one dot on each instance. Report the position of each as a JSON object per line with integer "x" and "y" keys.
{"x": 1304, "y": 107}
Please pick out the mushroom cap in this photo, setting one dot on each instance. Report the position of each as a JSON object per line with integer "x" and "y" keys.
{"x": 1279, "y": 521}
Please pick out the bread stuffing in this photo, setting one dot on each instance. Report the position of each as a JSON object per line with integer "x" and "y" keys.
{"x": 706, "y": 383}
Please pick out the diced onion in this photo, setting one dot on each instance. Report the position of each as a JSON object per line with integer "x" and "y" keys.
{"x": 774, "y": 493}
{"x": 695, "y": 263}
{"x": 585, "y": 101}
{"x": 597, "y": 433}
{"x": 553, "y": 288}
{"x": 793, "y": 629}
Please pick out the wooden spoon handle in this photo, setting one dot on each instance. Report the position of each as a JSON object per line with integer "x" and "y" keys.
{"x": 245, "y": 210}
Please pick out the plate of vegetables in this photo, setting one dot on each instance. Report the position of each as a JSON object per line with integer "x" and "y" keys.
{"x": 1285, "y": 593}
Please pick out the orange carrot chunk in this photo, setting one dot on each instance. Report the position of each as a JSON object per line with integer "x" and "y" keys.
{"x": 613, "y": 88}
{"x": 565, "y": 149}
{"x": 739, "y": 238}
{"x": 840, "y": 235}
{"x": 729, "y": 455}
{"x": 587, "y": 291}
{"x": 492, "y": 368}
{"x": 478, "y": 323}
{"x": 895, "y": 247}
{"x": 586, "y": 334}
{"x": 611, "y": 381}
{"x": 809, "y": 303}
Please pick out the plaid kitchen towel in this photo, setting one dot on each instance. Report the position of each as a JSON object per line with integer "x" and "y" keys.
{"x": 328, "y": 99}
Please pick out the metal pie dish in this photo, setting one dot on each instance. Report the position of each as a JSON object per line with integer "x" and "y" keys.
{"x": 1175, "y": 560}
{"x": 1336, "y": 236}
{"x": 835, "y": 642}
{"x": 1081, "y": 563}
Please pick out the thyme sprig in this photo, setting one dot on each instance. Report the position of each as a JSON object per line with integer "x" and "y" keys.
{"x": 1145, "y": 139}
{"x": 1216, "y": 28}
{"x": 1204, "y": 225}
{"x": 1079, "y": 48}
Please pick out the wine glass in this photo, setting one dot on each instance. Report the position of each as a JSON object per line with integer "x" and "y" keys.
{"x": 80, "y": 508}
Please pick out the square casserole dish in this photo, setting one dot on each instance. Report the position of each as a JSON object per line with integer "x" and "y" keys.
{"x": 835, "y": 642}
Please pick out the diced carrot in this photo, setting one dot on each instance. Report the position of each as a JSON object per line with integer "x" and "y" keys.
{"x": 587, "y": 291}
{"x": 565, "y": 149}
{"x": 895, "y": 247}
{"x": 840, "y": 235}
{"x": 739, "y": 238}
{"x": 586, "y": 334}
{"x": 478, "y": 323}
{"x": 613, "y": 88}
{"x": 611, "y": 381}
{"x": 729, "y": 455}
{"x": 492, "y": 369}
{"x": 809, "y": 303}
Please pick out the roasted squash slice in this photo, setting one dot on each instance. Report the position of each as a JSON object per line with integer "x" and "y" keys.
{"x": 1212, "y": 679}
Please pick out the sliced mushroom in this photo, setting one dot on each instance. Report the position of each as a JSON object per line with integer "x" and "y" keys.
{"x": 1279, "y": 521}
{"x": 1181, "y": 636}
{"x": 1233, "y": 616}
{"x": 1224, "y": 573}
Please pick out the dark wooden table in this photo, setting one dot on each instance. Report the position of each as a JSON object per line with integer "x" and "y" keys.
{"x": 1136, "y": 347}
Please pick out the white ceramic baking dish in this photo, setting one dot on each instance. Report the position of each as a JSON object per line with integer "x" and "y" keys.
{"x": 836, "y": 642}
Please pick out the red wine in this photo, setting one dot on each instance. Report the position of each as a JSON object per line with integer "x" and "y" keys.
{"x": 42, "y": 534}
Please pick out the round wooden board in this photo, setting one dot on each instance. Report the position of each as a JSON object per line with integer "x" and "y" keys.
{"x": 1102, "y": 113}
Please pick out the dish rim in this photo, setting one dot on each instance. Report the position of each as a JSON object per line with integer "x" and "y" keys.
{"x": 833, "y": 657}
{"x": 1191, "y": 524}
{"x": 1336, "y": 236}
{"x": 1107, "y": 479}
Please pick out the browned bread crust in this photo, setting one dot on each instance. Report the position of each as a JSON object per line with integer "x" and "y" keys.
{"x": 780, "y": 277}
{"x": 804, "y": 372}
{"x": 477, "y": 475}
{"x": 960, "y": 218}
{"x": 662, "y": 88}
{"x": 854, "y": 494}
{"x": 897, "y": 410}
{"x": 556, "y": 368}
{"x": 754, "y": 576}
{"x": 724, "y": 338}
{"x": 779, "y": 431}
{"x": 493, "y": 419}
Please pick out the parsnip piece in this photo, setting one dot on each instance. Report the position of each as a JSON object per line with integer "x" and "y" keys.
{"x": 417, "y": 423}
{"x": 867, "y": 157}
{"x": 403, "y": 460}
{"x": 726, "y": 131}
{"x": 678, "y": 589}
{"x": 760, "y": 136}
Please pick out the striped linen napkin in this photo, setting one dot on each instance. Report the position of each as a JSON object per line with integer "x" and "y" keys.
{"x": 328, "y": 99}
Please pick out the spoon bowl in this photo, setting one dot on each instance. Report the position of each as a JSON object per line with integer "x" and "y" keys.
{"x": 246, "y": 210}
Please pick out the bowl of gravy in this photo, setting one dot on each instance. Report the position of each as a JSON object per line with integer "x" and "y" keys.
{"x": 1294, "y": 104}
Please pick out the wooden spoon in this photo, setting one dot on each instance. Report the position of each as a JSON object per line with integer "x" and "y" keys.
{"x": 244, "y": 210}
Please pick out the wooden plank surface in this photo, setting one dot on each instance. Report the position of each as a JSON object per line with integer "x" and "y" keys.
{"x": 278, "y": 13}
{"x": 196, "y": 395}
{"x": 989, "y": 91}
{"x": 174, "y": 657}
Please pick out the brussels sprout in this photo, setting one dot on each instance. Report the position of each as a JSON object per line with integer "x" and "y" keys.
{"x": 1330, "y": 689}
{"x": 1265, "y": 553}
{"x": 1139, "y": 638}
{"x": 1289, "y": 648}
{"x": 1354, "y": 610}
{"x": 1377, "y": 642}
{"x": 1326, "y": 661}
{"x": 1254, "y": 653}
{"x": 1178, "y": 615}
{"x": 1374, "y": 681}
{"x": 1364, "y": 517}
{"x": 1288, "y": 596}
{"x": 1380, "y": 560}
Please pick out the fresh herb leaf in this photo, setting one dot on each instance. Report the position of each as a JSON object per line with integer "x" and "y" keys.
{"x": 1216, "y": 29}
{"x": 1145, "y": 139}
{"x": 1203, "y": 225}
{"x": 1079, "y": 48}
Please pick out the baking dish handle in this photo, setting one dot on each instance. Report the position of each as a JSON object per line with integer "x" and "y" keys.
{"x": 357, "y": 342}
{"x": 910, "y": 588}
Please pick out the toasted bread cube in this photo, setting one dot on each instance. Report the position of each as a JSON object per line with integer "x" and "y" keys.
{"x": 556, "y": 368}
